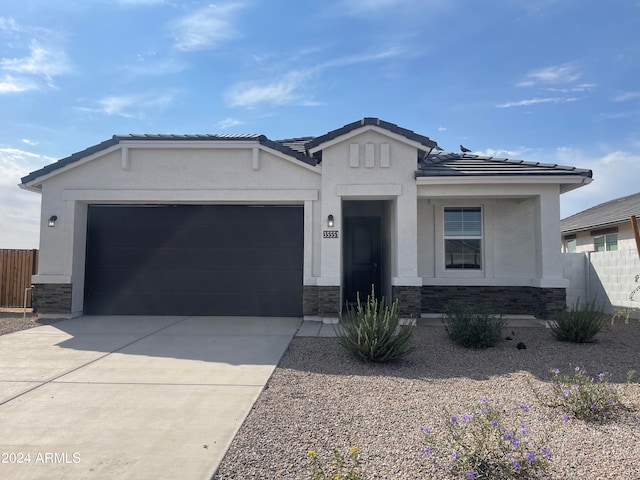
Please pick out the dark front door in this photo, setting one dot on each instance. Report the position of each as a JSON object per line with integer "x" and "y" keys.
{"x": 362, "y": 258}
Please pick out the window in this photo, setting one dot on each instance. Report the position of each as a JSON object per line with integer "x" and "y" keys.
{"x": 571, "y": 245}
{"x": 463, "y": 238}
{"x": 606, "y": 243}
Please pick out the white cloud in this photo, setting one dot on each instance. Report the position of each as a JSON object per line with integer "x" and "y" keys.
{"x": 228, "y": 123}
{"x": 533, "y": 101}
{"x": 206, "y": 28}
{"x": 29, "y": 142}
{"x": 294, "y": 87}
{"x": 286, "y": 90}
{"x": 43, "y": 61}
{"x": 615, "y": 175}
{"x": 10, "y": 84}
{"x": 19, "y": 222}
{"x": 442, "y": 129}
{"x": 623, "y": 97}
{"x": 155, "y": 67}
{"x": 565, "y": 73}
{"x": 133, "y": 105}
{"x": 500, "y": 153}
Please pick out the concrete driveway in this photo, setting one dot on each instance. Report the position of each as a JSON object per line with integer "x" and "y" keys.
{"x": 131, "y": 397}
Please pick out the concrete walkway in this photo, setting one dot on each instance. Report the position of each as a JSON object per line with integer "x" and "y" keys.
{"x": 131, "y": 397}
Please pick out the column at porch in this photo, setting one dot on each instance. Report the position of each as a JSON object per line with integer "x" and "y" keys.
{"x": 405, "y": 283}
{"x": 328, "y": 284}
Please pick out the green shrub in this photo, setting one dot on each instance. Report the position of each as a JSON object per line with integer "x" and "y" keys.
{"x": 490, "y": 442}
{"x": 473, "y": 327}
{"x": 584, "y": 397}
{"x": 578, "y": 324}
{"x": 339, "y": 470}
{"x": 372, "y": 332}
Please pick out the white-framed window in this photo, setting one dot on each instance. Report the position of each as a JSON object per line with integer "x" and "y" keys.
{"x": 571, "y": 245}
{"x": 606, "y": 243}
{"x": 463, "y": 238}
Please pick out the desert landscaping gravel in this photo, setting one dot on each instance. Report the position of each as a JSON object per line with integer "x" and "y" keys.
{"x": 13, "y": 320}
{"x": 321, "y": 399}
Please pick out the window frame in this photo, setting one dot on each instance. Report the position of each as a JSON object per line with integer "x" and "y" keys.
{"x": 481, "y": 238}
{"x": 607, "y": 242}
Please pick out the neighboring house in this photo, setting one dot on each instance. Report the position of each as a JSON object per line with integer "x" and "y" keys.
{"x": 243, "y": 225}
{"x": 603, "y": 228}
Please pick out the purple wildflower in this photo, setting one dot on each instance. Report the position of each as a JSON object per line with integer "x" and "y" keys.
{"x": 466, "y": 418}
{"x": 577, "y": 369}
{"x": 454, "y": 455}
{"x": 494, "y": 422}
{"x": 515, "y": 442}
{"x": 471, "y": 475}
{"x": 545, "y": 452}
{"x": 483, "y": 400}
{"x": 428, "y": 450}
{"x": 566, "y": 393}
{"x": 601, "y": 377}
{"x": 531, "y": 456}
{"x": 507, "y": 435}
{"x": 556, "y": 371}
{"x": 454, "y": 419}
{"x": 425, "y": 429}
{"x": 525, "y": 408}
{"x": 516, "y": 466}
{"x": 565, "y": 418}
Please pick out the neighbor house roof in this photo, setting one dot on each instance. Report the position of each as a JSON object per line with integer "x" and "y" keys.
{"x": 613, "y": 212}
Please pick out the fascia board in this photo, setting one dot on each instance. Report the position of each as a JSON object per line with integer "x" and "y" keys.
{"x": 295, "y": 161}
{"x": 510, "y": 179}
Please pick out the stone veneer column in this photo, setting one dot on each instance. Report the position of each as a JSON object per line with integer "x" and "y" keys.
{"x": 409, "y": 300}
{"x": 328, "y": 301}
{"x": 310, "y": 300}
{"x": 52, "y": 298}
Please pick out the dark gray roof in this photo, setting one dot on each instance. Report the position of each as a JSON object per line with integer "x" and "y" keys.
{"x": 263, "y": 140}
{"x": 297, "y": 144}
{"x": 613, "y": 212}
{"x": 392, "y": 127}
{"x": 465, "y": 164}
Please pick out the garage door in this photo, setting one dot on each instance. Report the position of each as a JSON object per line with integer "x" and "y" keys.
{"x": 194, "y": 260}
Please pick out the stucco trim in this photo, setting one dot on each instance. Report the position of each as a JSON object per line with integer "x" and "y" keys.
{"x": 566, "y": 182}
{"x": 181, "y": 195}
{"x": 377, "y": 190}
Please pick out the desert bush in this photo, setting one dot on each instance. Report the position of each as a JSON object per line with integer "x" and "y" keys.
{"x": 578, "y": 324}
{"x": 488, "y": 442}
{"x": 338, "y": 470}
{"x": 372, "y": 332}
{"x": 585, "y": 397}
{"x": 474, "y": 327}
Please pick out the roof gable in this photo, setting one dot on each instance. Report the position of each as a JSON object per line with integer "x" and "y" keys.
{"x": 366, "y": 122}
{"x": 117, "y": 139}
{"x": 616, "y": 211}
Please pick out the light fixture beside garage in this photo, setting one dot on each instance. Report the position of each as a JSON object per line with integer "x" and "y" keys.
{"x": 330, "y": 222}
{"x": 52, "y": 221}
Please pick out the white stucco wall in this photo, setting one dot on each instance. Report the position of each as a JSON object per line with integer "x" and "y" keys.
{"x": 169, "y": 175}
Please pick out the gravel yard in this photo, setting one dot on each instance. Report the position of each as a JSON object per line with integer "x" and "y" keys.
{"x": 13, "y": 320}
{"x": 320, "y": 398}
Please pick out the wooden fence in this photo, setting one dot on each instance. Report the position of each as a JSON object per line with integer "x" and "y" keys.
{"x": 16, "y": 268}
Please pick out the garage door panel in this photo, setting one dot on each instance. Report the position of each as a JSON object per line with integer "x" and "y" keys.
{"x": 194, "y": 260}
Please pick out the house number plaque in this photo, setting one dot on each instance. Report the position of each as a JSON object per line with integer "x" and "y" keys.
{"x": 329, "y": 234}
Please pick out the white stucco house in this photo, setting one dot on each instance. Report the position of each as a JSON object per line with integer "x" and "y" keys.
{"x": 243, "y": 225}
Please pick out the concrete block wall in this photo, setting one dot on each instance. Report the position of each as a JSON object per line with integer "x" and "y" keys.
{"x": 609, "y": 277}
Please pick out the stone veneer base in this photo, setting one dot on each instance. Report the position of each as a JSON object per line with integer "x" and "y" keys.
{"x": 52, "y": 298}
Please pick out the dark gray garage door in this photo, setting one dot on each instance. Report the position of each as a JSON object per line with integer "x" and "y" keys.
{"x": 194, "y": 260}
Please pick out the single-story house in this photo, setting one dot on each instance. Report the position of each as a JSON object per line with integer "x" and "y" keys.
{"x": 603, "y": 228}
{"x": 244, "y": 225}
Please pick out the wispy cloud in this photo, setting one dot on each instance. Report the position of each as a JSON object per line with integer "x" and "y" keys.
{"x": 558, "y": 74}
{"x": 533, "y": 101}
{"x": 228, "y": 123}
{"x": 132, "y": 105}
{"x": 10, "y": 84}
{"x": 206, "y": 28}
{"x": 623, "y": 97}
{"x": 500, "y": 153}
{"x": 368, "y": 7}
{"x": 29, "y": 142}
{"x": 152, "y": 67}
{"x": 43, "y": 61}
{"x": 20, "y": 209}
{"x": 286, "y": 90}
{"x": 296, "y": 86}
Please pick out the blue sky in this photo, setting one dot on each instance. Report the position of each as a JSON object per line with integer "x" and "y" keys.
{"x": 554, "y": 81}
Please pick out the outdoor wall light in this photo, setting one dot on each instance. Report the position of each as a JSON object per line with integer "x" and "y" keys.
{"x": 330, "y": 222}
{"x": 52, "y": 221}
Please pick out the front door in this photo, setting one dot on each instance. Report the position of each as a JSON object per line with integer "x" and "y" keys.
{"x": 362, "y": 257}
